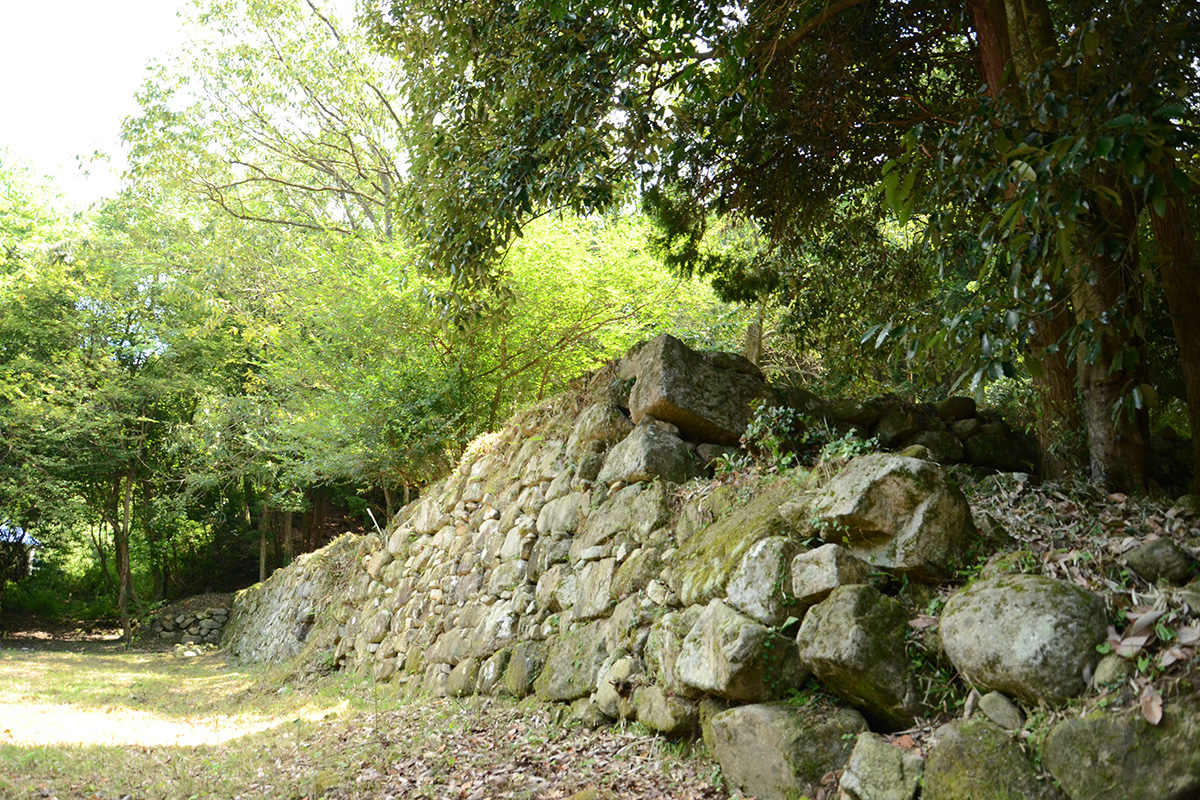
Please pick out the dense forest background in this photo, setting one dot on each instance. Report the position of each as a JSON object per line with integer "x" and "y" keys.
{"x": 348, "y": 244}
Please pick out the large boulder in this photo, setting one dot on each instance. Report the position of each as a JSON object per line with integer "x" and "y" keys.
{"x": 573, "y": 666}
{"x": 701, "y": 568}
{"x": 665, "y": 711}
{"x": 816, "y": 573}
{"x": 708, "y": 399}
{"x": 901, "y": 514}
{"x": 732, "y": 656}
{"x": 650, "y": 451}
{"x": 760, "y": 587}
{"x": 977, "y": 760}
{"x": 1031, "y": 637}
{"x": 663, "y": 645}
{"x": 780, "y": 752}
{"x": 853, "y": 642}
{"x": 632, "y": 512}
{"x": 878, "y": 770}
{"x": 1106, "y": 756}
{"x": 597, "y": 428}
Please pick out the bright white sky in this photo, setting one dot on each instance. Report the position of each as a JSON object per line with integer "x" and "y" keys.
{"x": 68, "y": 73}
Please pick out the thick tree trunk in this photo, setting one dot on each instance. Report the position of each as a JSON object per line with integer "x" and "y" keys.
{"x": 1059, "y": 421}
{"x": 991, "y": 35}
{"x": 1104, "y": 290}
{"x": 1176, "y": 238}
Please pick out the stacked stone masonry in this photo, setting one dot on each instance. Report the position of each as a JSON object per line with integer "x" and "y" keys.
{"x": 571, "y": 556}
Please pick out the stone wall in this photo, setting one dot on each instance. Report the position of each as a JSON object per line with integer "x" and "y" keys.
{"x": 572, "y": 556}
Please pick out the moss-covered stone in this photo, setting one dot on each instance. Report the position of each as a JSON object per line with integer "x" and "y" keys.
{"x": 636, "y": 571}
{"x": 573, "y": 666}
{"x": 703, "y": 565}
{"x": 1031, "y": 637}
{"x": 666, "y": 713}
{"x": 634, "y": 511}
{"x": 463, "y": 678}
{"x": 853, "y": 642}
{"x": 732, "y": 656}
{"x": 1106, "y": 756}
{"x": 780, "y": 752}
{"x": 977, "y": 760}
{"x": 524, "y": 666}
{"x": 900, "y": 514}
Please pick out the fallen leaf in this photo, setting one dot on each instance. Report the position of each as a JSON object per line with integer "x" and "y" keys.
{"x": 1132, "y": 645}
{"x": 1117, "y": 497}
{"x": 905, "y": 741}
{"x": 1152, "y": 705}
{"x": 1172, "y": 656}
{"x": 1187, "y": 635}
{"x": 1143, "y": 622}
{"x": 922, "y": 622}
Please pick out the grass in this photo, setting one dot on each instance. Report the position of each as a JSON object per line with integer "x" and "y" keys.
{"x": 107, "y": 726}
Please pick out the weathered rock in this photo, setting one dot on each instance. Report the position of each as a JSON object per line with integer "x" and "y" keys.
{"x": 816, "y": 573}
{"x": 760, "y": 586}
{"x": 614, "y": 692}
{"x": 706, "y": 402}
{"x": 1106, "y": 756}
{"x": 563, "y": 515}
{"x": 573, "y": 666}
{"x": 463, "y": 678}
{"x": 965, "y": 428}
{"x": 732, "y": 656}
{"x": 996, "y": 450}
{"x": 601, "y": 423}
{"x": 634, "y": 511}
{"x": 491, "y": 672}
{"x": 1002, "y": 711}
{"x": 1161, "y": 559}
{"x": 1112, "y": 671}
{"x": 586, "y": 714}
{"x": 854, "y": 644}
{"x": 953, "y": 408}
{"x": 879, "y": 770}
{"x": 1028, "y": 636}
{"x": 977, "y": 760}
{"x": 635, "y": 572}
{"x": 899, "y": 422}
{"x": 780, "y": 752}
{"x": 650, "y": 452}
{"x": 663, "y": 646}
{"x": 859, "y": 413}
{"x": 665, "y": 713}
{"x": 524, "y": 666}
{"x": 944, "y": 447}
{"x": 896, "y": 513}
{"x": 704, "y": 563}
{"x": 595, "y": 589}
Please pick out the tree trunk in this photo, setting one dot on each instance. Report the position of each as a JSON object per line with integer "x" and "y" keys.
{"x": 262, "y": 555}
{"x": 991, "y": 35}
{"x": 288, "y": 547}
{"x": 121, "y": 546}
{"x": 1058, "y": 420}
{"x": 1105, "y": 292}
{"x": 1176, "y": 238}
{"x": 388, "y": 510}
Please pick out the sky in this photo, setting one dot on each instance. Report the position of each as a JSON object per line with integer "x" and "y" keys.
{"x": 69, "y": 70}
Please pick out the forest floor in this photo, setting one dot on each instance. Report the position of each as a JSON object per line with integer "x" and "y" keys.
{"x": 81, "y": 716}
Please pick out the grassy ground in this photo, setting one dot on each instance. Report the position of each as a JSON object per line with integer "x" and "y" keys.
{"x": 111, "y": 724}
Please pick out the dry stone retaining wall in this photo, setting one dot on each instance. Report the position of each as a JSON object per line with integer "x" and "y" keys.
{"x": 568, "y": 557}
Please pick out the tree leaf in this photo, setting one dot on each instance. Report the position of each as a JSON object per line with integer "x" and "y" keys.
{"x": 1151, "y": 704}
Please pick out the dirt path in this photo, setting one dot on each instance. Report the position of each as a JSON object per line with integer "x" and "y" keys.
{"x": 83, "y": 718}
